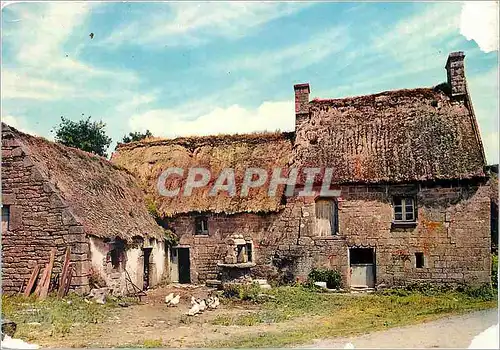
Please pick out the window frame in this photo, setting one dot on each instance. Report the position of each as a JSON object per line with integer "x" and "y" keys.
{"x": 334, "y": 220}
{"x": 419, "y": 256}
{"x": 403, "y": 200}
{"x": 6, "y": 207}
{"x": 202, "y": 223}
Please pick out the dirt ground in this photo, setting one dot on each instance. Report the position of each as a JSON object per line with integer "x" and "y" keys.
{"x": 152, "y": 320}
{"x": 152, "y": 323}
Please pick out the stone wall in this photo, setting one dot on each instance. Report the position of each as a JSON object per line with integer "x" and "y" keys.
{"x": 208, "y": 250}
{"x": 39, "y": 220}
{"x": 452, "y": 231}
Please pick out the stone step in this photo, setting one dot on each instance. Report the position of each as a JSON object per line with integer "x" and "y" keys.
{"x": 362, "y": 289}
{"x": 213, "y": 283}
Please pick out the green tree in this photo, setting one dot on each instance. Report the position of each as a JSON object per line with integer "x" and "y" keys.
{"x": 136, "y": 136}
{"x": 84, "y": 134}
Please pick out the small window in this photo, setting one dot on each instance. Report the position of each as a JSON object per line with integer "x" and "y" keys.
{"x": 201, "y": 225}
{"x": 249, "y": 252}
{"x": 404, "y": 209}
{"x": 5, "y": 218}
{"x": 115, "y": 258}
{"x": 327, "y": 217}
{"x": 419, "y": 260}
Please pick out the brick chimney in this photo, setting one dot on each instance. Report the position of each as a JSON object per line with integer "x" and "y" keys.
{"x": 301, "y": 102}
{"x": 456, "y": 74}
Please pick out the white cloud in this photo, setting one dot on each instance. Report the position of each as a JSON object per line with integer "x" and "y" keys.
{"x": 479, "y": 22}
{"x": 24, "y": 86}
{"x": 40, "y": 35}
{"x": 422, "y": 39}
{"x": 484, "y": 90}
{"x": 491, "y": 146}
{"x": 194, "y": 23}
{"x": 292, "y": 57}
{"x": 269, "y": 116}
{"x": 41, "y": 64}
{"x": 136, "y": 101}
{"x": 18, "y": 123}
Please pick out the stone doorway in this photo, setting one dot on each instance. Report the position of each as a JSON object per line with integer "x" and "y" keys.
{"x": 362, "y": 267}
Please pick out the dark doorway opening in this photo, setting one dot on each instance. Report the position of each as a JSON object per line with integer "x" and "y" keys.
{"x": 361, "y": 256}
{"x": 494, "y": 227}
{"x": 147, "y": 256}
{"x": 184, "y": 265}
{"x": 362, "y": 267}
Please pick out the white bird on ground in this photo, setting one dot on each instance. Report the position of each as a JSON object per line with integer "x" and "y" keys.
{"x": 203, "y": 305}
{"x": 216, "y": 302}
{"x": 193, "y": 301}
{"x": 213, "y": 302}
{"x": 175, "y": 300}
{"x": 195, "y": 309}
{"x": 169, "y": 297}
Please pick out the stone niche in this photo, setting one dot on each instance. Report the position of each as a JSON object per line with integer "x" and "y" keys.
{"x": 238, "y": 262}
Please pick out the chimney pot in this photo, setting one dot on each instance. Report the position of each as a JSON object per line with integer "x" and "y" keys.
{"x": 456, "y": 74}
{"x": 301, "y": 98}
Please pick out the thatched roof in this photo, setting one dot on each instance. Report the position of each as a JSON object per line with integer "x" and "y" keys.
{"x": 391, "y": 137}
{"x": 395, "y": 136}
{"x": 105, "y": 199}
{"x": 149, "y": 158}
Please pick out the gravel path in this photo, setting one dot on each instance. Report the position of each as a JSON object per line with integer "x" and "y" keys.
{"x": 450, "y": 332}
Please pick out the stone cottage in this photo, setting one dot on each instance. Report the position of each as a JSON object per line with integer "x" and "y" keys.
{"x": 56, "y": 197}
{"x": 414, "y": 201}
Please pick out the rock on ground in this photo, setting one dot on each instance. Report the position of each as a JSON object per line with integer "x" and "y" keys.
{"x": 8, "y": 327}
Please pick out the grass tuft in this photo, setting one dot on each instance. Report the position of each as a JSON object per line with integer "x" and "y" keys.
{"x": 54, "y": 317}
{"x": 335, "y": 314}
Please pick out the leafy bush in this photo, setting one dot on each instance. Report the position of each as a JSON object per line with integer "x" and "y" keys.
{"x": 248, "y": 292}
{"x": 84, "y": 134}
{"x": 426, "y": 288}
{"x": 484, "y": 292}
{"x": 331, "y": 277}
{"x": 494, "y": 271}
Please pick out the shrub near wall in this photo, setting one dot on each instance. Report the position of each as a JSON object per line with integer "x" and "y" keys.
{"x": 331, "y": 277}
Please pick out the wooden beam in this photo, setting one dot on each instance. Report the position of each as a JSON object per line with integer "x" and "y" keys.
{"x": 44, "y": 290}
{"x": 64, "y": 273}
{"x": 67, "y": 282}
{"x": 32, "y": 280}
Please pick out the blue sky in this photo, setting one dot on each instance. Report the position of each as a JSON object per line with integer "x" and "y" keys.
{"x": 223, "y": 67}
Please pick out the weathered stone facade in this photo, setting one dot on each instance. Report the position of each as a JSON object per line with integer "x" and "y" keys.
{"x": 452, "y": 231}
{"x": 38, "y": 221}
{"x": 422, "y": 144}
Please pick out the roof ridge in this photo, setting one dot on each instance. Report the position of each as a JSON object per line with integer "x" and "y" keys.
{"x": 200, "y": 140}
{"x": 396, "y": 92}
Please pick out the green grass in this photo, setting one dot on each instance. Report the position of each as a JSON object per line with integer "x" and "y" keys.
{"x": 53, "y": 317}
{"x": 152, "y": 343}
{"x": 330, "y": 315}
